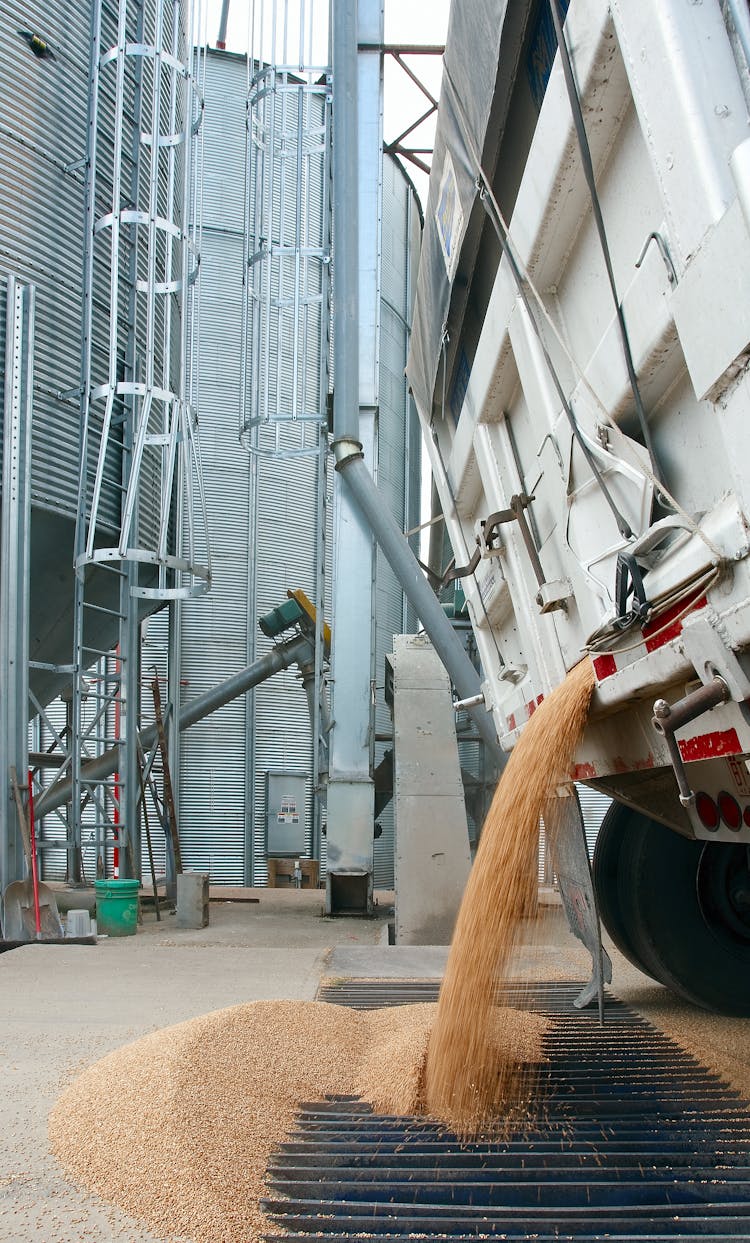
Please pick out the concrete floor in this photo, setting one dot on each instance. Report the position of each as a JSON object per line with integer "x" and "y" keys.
{"x": 66, "y": 1006}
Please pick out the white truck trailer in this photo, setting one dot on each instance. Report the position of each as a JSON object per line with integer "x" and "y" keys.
{"x": 581, "y": 366}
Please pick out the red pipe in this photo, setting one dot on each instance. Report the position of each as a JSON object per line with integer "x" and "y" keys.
{"x": 34, "y": 872}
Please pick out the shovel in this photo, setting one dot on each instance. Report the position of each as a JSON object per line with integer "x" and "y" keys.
{"x": 29, "y": 907}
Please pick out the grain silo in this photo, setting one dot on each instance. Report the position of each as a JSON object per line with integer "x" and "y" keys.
{"x": 271, "y": 507}
{"x": 133, "y": 149}
{"x": 100, "y": 259}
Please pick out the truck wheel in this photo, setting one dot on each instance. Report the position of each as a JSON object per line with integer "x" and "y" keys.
{"x": 605, "y": 871}
{"x": 686, "y": 907}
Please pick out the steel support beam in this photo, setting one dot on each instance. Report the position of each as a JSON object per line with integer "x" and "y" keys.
{"x": 15, "y": 566}
{"x": 357, "y": 144}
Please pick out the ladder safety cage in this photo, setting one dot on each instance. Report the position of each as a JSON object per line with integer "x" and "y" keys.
{"x": 139, "y": 415}
{"x": 141, "y": 531}
{"x": 285, "y": 339}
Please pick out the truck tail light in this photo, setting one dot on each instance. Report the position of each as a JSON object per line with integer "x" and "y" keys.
{"x": 731, "y": 812}
{"x": 708, "y": 812}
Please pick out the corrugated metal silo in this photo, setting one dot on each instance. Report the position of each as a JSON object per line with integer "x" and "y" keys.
{"x": 262, "y": 512}
{"x": 45, "y": 50}
{"x": 264, "y": 521}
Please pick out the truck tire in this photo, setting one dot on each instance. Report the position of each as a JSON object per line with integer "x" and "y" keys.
{"x": 685, "y": 908}
{"x": 605, "y": 871}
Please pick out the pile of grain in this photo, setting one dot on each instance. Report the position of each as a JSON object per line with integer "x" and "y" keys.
{"x": 464, "y": 1083}
{"x": 178, "y": 1128}
{"x": 392, "y": 1066}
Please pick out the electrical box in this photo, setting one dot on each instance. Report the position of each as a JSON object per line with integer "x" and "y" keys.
{"x": 285, "y": 814}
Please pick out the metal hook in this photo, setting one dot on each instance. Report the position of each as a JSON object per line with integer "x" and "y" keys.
{"x": 663, "y": 251}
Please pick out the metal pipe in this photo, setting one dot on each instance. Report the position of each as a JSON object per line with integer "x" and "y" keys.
{"x": 280, "y": 657}
{"x": 345, "y": 225}
{"x": 405, "y": 566}
{"x": 221, "y": 38}
{"x": 473, "y": 702}
{"x": 668, "y": 718}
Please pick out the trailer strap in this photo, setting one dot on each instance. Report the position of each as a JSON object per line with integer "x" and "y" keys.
{"x": 629, "y": 578}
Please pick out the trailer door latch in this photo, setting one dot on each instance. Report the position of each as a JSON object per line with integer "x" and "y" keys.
{"x": 551, "y": 595}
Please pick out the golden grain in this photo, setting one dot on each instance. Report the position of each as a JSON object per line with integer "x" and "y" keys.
{"x": 178, "y": 1128}
{"x": 465, "y": 1085}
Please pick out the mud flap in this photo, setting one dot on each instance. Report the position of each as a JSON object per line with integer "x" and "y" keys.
{"x": 570, "y": 860}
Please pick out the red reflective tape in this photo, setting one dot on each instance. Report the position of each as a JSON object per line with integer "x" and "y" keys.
{"x": 621, "y": 764}
{"x": 708, "y": 746}
{"x": 512, "y": 721}
{"x": 669, "y": 624}
{"x": 582, "y": 772}
{"x": 604, "y": 667}
{"x": 530, "y": 709}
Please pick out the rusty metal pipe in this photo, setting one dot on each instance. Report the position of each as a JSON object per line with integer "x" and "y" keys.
{"x": 668, "y": 718}
{"x": 671, "y": 717}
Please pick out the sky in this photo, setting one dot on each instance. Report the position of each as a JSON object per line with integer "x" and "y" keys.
{"x": 406, "y": 21}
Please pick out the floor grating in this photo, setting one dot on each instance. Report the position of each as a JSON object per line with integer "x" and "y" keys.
{"x": 634, "y": 1140}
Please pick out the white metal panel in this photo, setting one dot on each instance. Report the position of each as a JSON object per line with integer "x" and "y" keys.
{"x": 636, "y": 78}
{"x": 432, "y": 849}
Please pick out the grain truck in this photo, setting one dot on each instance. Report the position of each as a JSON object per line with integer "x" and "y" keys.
{"x": 580, "y": 362}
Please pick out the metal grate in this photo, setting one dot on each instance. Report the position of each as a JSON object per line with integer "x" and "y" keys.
{"x": 632, "y": 1139}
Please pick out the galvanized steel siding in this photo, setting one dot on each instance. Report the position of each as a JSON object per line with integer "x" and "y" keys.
{"x": 215, "y": 629}
{"x": 43, "y": 147}
{"x": 262, "y": 531}
{"x": 224, "y": 145}
{"x": 41, "y": 219}
{"x": 284, "y": 559}
{"x": 594, "y": 806}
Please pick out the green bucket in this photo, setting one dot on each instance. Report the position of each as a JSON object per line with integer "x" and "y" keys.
{"x": 117, "y": 907}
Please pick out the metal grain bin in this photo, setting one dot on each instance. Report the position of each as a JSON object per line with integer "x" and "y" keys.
{"x": 45, "y": 51}
{"x": 264, "y": 518}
